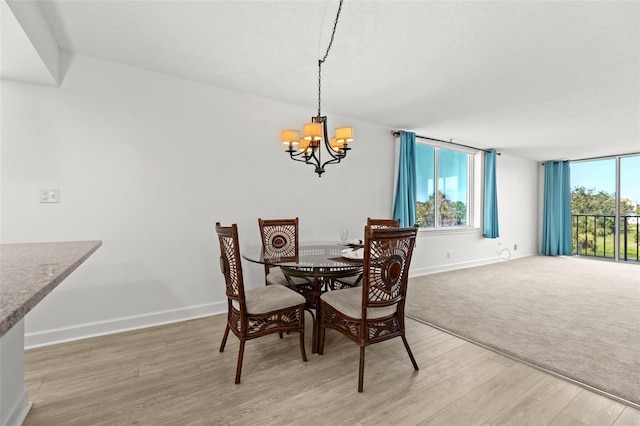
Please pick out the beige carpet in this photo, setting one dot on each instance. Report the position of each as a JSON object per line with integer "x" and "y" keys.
{"x": 577, "y": 317}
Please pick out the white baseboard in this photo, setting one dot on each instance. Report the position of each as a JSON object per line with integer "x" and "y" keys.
{"x": 118, "y": 325}
{"x": 453, "y": 266}
{"x": 18, "y": 412}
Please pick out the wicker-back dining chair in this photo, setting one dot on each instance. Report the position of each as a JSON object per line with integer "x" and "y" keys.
{"x": 280, "y": 241}
{"x": 373, "y": 312}
{"x": 259, "y": 311}
{"x": 356, "y": 280}
{"x": 383, "y": 223}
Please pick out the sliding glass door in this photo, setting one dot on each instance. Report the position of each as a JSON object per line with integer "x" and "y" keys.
{"x": 629, "y": 207}
{"x": 605, "y": 194}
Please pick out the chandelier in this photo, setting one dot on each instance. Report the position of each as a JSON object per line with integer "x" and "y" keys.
{"x": 309, "y": 148}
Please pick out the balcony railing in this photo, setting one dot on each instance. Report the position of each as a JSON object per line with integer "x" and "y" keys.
{"x": 594, "y": 235}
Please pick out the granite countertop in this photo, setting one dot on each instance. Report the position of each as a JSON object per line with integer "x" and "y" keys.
{"x": 30, "y": 271}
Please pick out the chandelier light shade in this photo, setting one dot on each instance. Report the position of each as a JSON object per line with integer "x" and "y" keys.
{"x": 290, "y": 137}
{"x": 314, "y": 141}
{"x": 312, "y": 132}
{"x": 344, "y": 135}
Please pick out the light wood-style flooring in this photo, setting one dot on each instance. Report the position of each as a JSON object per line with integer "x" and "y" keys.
{"x": 174, "y": 375}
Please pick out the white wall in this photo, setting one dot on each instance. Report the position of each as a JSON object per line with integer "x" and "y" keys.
{"x": 518, "y": 205}
{"x": 517, "y": 215}
{"x": 148, "y": 163}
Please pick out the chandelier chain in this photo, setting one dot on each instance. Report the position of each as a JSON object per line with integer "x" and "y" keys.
{"x": 324, "y": 58}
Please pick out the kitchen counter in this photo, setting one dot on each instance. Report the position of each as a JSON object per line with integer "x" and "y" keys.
{"x": 28, "y": 272}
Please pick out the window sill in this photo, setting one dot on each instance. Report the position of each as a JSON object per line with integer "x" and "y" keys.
{"x": 423, "y": 232}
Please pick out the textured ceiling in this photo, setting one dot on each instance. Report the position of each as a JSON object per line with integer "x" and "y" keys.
{"x": 540, "y": 80}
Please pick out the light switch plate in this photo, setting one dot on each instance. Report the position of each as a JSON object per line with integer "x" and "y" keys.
{"x": 50, "y": 195}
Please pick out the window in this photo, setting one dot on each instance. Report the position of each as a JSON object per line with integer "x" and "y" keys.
{"x": 452, "y": 206}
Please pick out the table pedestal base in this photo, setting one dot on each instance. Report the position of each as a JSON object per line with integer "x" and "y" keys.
{"x": 318, "y": 277}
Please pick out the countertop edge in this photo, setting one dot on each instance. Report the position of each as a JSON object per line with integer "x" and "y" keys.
{"x": 13, "y": 318}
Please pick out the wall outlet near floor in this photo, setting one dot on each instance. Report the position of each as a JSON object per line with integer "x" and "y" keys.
{"x": 448, "y": 254}
{"x": 515, "y": 247}
{"x": 49, "y": 195}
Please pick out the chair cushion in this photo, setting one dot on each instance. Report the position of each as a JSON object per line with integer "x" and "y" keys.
{"x": 276, "y": 276}
{"x": 349, "y": 302}
{"x": 270, "y": 298}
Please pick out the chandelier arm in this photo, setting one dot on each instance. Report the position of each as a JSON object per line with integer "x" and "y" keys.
{"x": 293, "y": 157}
{"x": 335, "y": 160}
{"x": 331, "y": 152}
{"x": 305, "y": 156}
{"x": 314, "y": 160}
{"x": 327, "y": 144}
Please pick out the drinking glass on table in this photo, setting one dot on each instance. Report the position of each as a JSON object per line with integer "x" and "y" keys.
{"x": 344, "y": 234}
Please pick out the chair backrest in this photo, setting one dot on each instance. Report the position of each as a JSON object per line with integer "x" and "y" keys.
{"x": 279, "y": 238}
{"x": 387, "y": 257}
{"x": 230, "y": 262}
{"x": 383, "y": 223}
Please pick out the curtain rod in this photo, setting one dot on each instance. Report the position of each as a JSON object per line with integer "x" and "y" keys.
{"x": 606, "y": 157}
{"x": 397, "y": 132}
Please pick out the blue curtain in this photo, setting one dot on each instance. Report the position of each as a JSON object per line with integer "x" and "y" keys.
{"x": 556, "y": 215}
{"x": 490, "y": 196}
{"x": 404, "y": 206}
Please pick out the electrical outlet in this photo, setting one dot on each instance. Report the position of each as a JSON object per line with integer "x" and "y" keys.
{"x": 51, "y": 269}
{"x": 49, "y": 195}
{"x": 515, "y": 247}
{"x": 448, "y": 254}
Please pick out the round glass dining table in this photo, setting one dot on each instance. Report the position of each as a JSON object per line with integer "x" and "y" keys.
{"x": 318, "y": 262}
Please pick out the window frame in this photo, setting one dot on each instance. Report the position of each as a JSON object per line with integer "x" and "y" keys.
{"x": 474, "y": 191}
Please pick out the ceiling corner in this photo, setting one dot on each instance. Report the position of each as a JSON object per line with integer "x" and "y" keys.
{"x": 29, "y": 52}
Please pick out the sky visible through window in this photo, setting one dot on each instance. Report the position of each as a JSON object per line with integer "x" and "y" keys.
{"x": 453, "y": 173}
{"x": 601, "y": 175}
